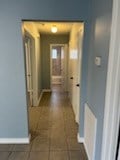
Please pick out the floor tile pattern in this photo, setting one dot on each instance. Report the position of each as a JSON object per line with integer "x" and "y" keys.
{"x": 53, "y": 132}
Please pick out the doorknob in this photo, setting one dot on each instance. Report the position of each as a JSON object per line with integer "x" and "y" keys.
{"x": 77, "y": 85}
{"x": 71, "y": 77}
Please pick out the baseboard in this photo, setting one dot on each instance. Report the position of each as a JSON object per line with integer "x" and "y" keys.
{"x": 15, "y": 140}
{"x": 46, "y": 90}
{"x": 80, "y": 139}
{"x": 77, "y": 119}
{"x": 86, "y": 150}
{"x": 40, "y": 98}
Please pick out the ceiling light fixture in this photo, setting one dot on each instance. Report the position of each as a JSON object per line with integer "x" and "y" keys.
{"x": 54, "y": 29}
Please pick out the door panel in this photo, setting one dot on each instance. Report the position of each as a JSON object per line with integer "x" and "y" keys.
{"x": 75, "y": 59}
{"x": 78, "y": 75}
{"x": 29, "y": 72}
{"x": 64, "y": 67}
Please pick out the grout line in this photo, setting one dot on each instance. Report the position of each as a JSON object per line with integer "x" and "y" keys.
{"x": 66, "y": 135}
{"x": 9, "y": 155}
{"x": 49, "y": 137}
{"x": 61, "y": 103}
{"x": 28, "y": 156}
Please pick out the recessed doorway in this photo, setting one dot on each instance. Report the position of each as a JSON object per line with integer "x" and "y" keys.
{"x": 57, "y": 61}
{"x": 58, "y": 66}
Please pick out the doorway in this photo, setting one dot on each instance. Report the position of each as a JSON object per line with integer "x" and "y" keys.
{"x": 58, "y": 67}
{"x": 57, "y": 62}
{"x": 28, "y": 43}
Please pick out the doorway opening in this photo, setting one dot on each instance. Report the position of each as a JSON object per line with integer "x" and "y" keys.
{"x": 29, "y": 65}
{"x": 58, "y": 66}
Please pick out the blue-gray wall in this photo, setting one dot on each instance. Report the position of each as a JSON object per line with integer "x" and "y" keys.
{"x": 13, "y": 108}
{"x": 45, "y": 42}
{"x": 97, "y": 45}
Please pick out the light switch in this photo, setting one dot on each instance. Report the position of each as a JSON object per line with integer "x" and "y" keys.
{"x": 98, "y": 61}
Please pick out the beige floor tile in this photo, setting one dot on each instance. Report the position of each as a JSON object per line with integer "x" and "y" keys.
{"x": 77, "y": 155}
{"x": 4, "y": 155}
{"x": 43, "y": 133}
{"x": 40, "y": 144}
{"x": 39, "y": 156}
{"x": 22, "y": 147}
{"x": 54, "y": 128}
{"x": 58, "y": 144}
{"x": 73, "y": 144}
{"x": 18, "y": 156}
{"x": 61, "y": 155}
{"x": 71, "y": 132}
{"x": 6, "y": 147}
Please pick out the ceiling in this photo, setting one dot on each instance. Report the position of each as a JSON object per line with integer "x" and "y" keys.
{"x": 45, "y": 27}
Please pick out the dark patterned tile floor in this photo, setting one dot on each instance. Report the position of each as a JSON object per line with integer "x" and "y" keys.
{"x": 53, "y": 132}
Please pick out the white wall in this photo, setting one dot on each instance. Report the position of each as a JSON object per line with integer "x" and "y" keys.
{"x": 90, "y": 132}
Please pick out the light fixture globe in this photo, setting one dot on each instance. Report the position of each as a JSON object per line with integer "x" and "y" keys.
{"x": 53, "y": 29}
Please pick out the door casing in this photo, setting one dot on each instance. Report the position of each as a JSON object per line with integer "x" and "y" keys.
{"x": 112, "y": 99}
{"x": 65, "y": 46}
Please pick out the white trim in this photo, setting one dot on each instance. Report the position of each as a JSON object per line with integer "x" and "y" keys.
{"x": 51, "y": 45}
{"x": 119, "y": 154}
{"x": 40, "y": 98}
{"x": 112, "y": 104}
{"x": 43, "y": 91}
{"x": 15, "y": 140}
{"x": 80, "y": 139}
{"x": 77, "y": 118}
{"x": 90, "y": 130}
{"x": 86, "y": 150}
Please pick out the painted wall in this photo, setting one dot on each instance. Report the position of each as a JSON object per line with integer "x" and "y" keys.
{"x": 46, "y": 40}
{"x": 12, "y": 74}
{"x": 101, "y": 12}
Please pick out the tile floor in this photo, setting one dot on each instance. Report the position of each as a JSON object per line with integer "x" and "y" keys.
{"x": 53, "y": 132}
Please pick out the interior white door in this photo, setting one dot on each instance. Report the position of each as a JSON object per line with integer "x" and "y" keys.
{"x": 76, "y": 57}
{"x": 29, "y": 72}
{"x": 64, "y": 67}
{"x": 75, "y": 81}
{"x": 78, "y": 73}
{"x": 70, "y": 76}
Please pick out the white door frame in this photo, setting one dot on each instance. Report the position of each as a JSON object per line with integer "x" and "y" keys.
{"x": 51, "y": 45}
{"x": 29, "y": 71}
{"x": 33, "y": 67}
{"x": 118, "y": 154}
{"x": 79, "y": 64}
{"x": 112, "y": 101}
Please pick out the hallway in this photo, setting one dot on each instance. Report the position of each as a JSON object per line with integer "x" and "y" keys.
{"x": 53, "y": 132}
